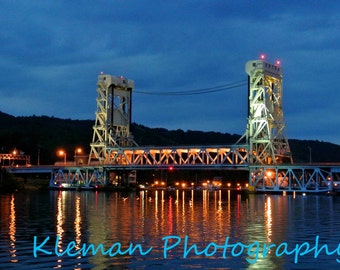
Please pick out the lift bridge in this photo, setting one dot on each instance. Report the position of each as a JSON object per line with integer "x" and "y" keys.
{"x": 263, "y": 150}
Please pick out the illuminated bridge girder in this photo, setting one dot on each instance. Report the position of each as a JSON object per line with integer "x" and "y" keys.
{"x": 9, "y": 159}
{"x": 291, "y": 178}
{"x": 206, "y": 156}
{"x": 74, "y": 177}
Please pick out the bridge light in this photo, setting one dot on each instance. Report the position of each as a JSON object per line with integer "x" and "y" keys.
{"x": 262, "y": 56}
{"x": 171, "y": 168}
{"x": 269, "y": 173}
{"x": 278, "y": 62}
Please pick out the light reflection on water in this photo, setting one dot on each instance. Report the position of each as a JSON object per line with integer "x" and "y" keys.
{"x": 12, "y": 230}
{"x": 147, "y": 217}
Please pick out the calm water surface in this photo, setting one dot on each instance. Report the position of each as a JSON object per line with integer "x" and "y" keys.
{"x": 148, "y": 223}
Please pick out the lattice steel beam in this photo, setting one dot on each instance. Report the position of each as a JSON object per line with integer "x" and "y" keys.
{"x": 292, "y": 178}
{"x": 179, "y": 155}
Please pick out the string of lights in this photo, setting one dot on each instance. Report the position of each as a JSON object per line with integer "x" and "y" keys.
{"x": 201, "y": 91}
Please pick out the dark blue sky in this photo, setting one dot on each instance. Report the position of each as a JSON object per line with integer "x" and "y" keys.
{"x": 52, "y": 52}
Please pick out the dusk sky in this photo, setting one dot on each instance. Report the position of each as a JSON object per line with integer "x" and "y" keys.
{"x": 53, "y": 51}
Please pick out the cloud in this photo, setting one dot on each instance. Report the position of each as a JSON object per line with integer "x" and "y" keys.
{"x": 52, "y": 53}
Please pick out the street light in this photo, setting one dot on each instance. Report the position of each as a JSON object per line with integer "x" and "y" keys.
{"x": 77, "y": 151}
{"x": 62, "y": 153}
{"x": 14, "y": 153}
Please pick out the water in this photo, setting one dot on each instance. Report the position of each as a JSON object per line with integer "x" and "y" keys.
{"x": 212, "y": 230}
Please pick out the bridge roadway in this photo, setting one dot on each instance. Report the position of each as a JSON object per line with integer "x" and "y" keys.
{"x": 30, "y": 169}
{"x": 141, "y": 158}
{"x": 307, "y": 178}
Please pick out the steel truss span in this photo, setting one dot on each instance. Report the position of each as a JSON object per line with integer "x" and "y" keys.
{"x": 130, "y": 159}
{"x": 294, "y": 178}
{"x": 7, "y": 159}
{"x": 183, "y": 156}
{"x": 77, "y": 177}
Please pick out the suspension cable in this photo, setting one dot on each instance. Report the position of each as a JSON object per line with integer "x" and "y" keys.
{"x": 218, "y": 88}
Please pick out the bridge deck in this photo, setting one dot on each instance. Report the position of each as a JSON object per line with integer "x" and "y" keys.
{"x": 267, "y": 178}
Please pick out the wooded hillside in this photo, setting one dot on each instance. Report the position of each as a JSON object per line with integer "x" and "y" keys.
{"x": 45, "y": 135}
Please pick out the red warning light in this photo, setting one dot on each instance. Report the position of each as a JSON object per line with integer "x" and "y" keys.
{"x": 278, "y": 62}
{"x": 171, "y": 168}
{"x": 262, "y": 56}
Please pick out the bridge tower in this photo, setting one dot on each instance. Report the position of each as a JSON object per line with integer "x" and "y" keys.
{"x": 265, "y": 132}
{"x": 113, "y": 117}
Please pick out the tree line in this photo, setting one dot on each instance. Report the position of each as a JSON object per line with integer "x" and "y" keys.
{"x": 41, "y": 137}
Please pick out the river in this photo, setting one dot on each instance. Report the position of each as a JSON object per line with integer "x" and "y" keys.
{"x": 181, "y": 229}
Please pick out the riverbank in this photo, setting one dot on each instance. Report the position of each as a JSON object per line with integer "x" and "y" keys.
{"x": 9, "y": 183}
